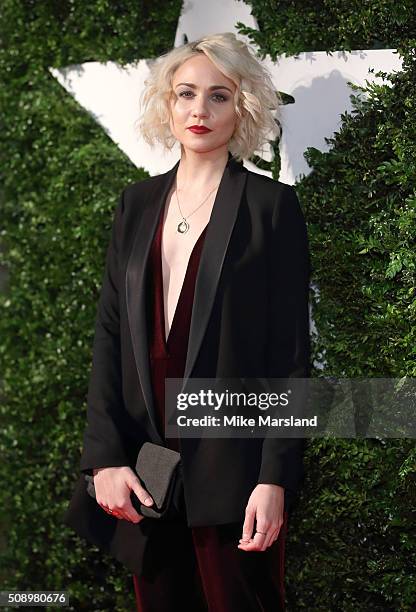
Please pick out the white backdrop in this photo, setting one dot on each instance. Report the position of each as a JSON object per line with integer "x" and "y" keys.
{"x": 317, "y": 82}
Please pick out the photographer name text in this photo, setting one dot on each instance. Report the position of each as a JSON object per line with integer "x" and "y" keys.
{"x": 241, "y": 421}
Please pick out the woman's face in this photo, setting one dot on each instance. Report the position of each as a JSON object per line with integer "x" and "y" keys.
{"x": 202, "y": 95}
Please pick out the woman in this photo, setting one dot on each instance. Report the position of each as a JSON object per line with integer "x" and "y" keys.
{"x": 207, "y": 275}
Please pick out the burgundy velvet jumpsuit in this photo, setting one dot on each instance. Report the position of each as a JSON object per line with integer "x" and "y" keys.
{"x": 197, "y": 568}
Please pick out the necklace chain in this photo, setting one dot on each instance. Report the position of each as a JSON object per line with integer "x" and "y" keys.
{"x": 184, "y": 226}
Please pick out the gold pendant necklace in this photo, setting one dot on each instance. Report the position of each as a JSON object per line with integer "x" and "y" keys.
{"x": 183, "y": 226}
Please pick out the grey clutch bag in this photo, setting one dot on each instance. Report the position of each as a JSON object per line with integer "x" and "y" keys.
{"x": 157, "y": 468}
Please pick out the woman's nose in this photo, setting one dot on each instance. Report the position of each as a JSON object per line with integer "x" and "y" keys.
{"x": 200, "y": 108}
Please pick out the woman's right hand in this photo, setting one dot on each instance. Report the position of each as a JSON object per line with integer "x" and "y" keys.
{"x": 112, "y": 491}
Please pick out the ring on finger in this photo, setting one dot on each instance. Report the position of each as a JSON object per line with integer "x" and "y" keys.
{"x": 114, "y": 513}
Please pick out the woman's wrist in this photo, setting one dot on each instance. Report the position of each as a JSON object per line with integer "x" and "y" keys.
{"x": 96, "y": 470}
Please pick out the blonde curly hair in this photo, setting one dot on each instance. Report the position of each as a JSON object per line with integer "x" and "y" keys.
{"x": 256, "y": 102}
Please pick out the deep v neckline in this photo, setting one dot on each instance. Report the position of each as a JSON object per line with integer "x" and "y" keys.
{"x": 166, "y": 341}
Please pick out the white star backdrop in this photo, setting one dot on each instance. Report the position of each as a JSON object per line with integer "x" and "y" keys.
{"x": 316, "y": 81}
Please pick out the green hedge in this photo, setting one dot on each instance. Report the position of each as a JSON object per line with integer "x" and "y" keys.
{"x": 351, "y": 543}
{"x": 293, "y": 26}
{"x": 61, "y": 177}
{"x": 358, "y": 512}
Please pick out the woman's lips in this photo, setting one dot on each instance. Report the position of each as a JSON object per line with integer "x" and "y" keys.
{"x": 199, "y": 130}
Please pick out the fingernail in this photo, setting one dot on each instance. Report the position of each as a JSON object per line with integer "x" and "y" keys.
{"x": 148, "y": 501}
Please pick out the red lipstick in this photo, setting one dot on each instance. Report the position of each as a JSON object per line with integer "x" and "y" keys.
{"x": 199, "y": 129}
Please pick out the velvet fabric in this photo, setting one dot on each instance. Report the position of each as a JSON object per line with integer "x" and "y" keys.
{"x": 198, "y": 568}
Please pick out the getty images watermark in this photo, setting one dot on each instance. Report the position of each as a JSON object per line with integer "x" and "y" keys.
{"x": 290, "y": 407}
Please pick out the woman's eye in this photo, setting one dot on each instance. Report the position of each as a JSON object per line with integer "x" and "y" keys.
{"x": 219, "y": 97}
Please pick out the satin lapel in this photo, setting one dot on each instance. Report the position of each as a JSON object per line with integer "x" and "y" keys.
{"x": 136, "y": 280}
{"x": 217, "y": 237}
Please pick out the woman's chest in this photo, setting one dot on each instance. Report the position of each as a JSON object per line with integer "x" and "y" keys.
{"x": 177, "y": 250}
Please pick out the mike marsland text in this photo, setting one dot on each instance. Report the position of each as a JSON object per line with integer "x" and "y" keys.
{"x": 241, "y": 421}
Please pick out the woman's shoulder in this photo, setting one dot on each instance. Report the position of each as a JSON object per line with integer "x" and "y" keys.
{"x": 260, "y": 186}
{"x": 139, "y": 194}
{"x": 267, "y": 182}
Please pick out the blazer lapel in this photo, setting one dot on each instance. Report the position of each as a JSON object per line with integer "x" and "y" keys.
{"x": 136, "y": 269}
{"x": 217, "y": 237}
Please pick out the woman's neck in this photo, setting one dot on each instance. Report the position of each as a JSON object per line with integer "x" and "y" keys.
{"x": 200, "y": 172}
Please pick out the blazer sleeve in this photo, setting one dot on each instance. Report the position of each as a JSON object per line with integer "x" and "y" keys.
{"x": 103, "y": 438}
{"x": 289, "y": 340}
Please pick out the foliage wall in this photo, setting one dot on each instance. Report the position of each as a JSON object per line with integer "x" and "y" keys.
{"x": 352, "y": 545}
{"x": 352, "y": 542}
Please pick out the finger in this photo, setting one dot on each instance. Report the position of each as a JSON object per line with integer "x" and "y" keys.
{"x": 271, "y": 533}
{"x": 256, "y": 543}
{"x": 121, "y": 513}
{"x": 272, "y": 537}
{"x": 268, "y": 540}
{"x": 262, "y": 532}
{"x": 248, "y": 524}
{"x": 132, "y": 519}
{"x": 144, "y": 497}
{"x": 115, "y": 514}
{"x": 110, "y": 512}
{"x": 261, "y": 538}
{"x": 132, "y": 515}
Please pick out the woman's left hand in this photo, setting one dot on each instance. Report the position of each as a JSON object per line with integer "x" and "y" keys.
{"x": 265, "y": 508}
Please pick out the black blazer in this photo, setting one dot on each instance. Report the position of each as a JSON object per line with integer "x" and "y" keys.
{"x": 250, "y": 318}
